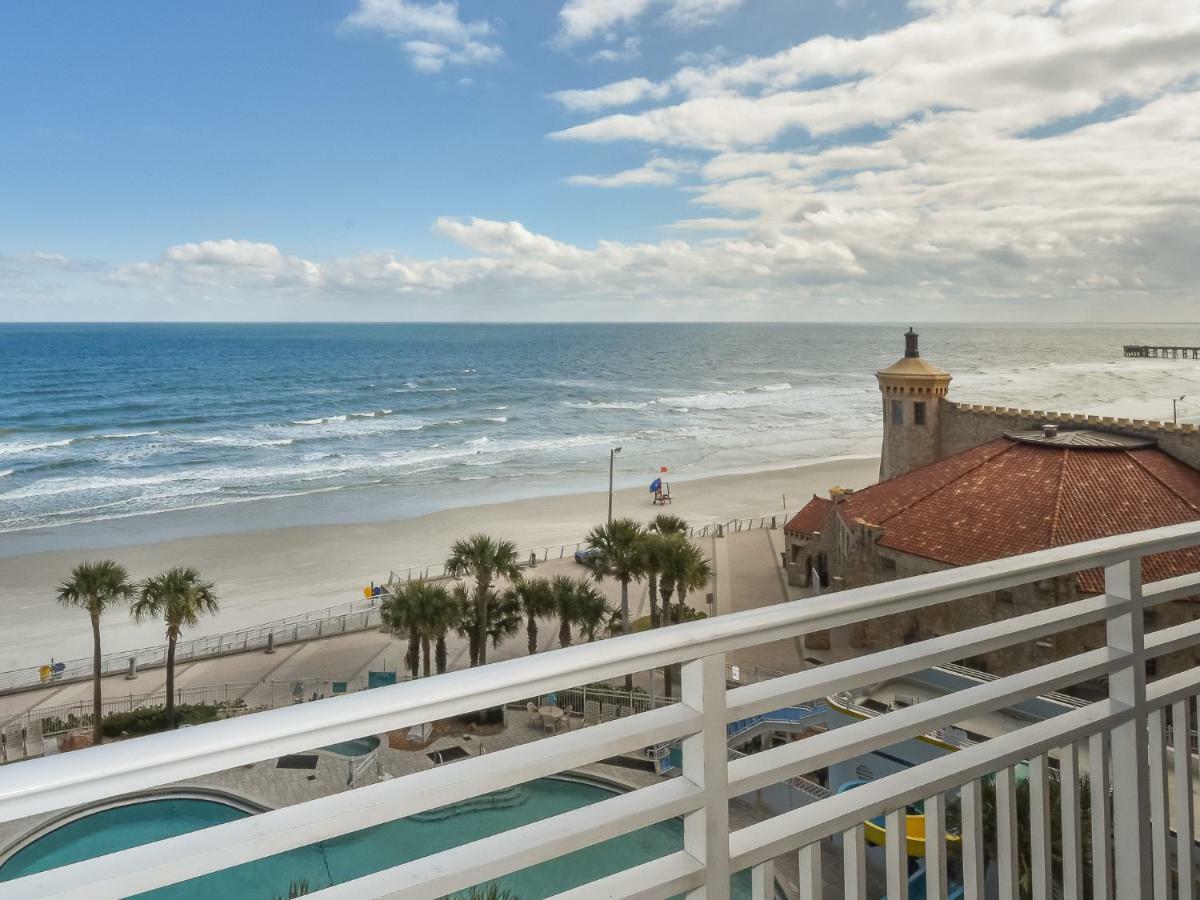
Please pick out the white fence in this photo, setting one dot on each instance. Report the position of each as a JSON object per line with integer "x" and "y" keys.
{"x": 1136, "y": 843}
{"x": 437, "y": 570}
{"x": 345, "y": 617}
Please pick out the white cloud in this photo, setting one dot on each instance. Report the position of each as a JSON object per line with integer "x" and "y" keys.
{"x": 1022, "y": 154}
{"x": 618, "y": 93}
{"x": 629, "y": 49}
{"x": 432, "y": 34}
{"x": 582, "y": 20}
{"x": 658, "y": 171}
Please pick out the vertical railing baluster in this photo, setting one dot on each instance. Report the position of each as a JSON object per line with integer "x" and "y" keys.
{"x": 1072, "y": 846}
{"x": 1102, "y": 853}
{"x": 1181, "y": 716}
{"x": 762, "y": 881}
{"x": 1127, "y": 686}
{"x": 1039, "y": 815}
{"x": 1160, "y": 825}
{"x": 854, "y": 863}
{"x": 972, "y": 840}
{"x": 809, "y": 860}
{"x": 895, "y": 851}
{"x": 1006, "y": 834}
{"x": 705, "y": 764}
{"x": 935, "y": 848}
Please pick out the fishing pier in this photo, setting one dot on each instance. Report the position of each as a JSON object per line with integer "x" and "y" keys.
{"x": 1147, "y": 351}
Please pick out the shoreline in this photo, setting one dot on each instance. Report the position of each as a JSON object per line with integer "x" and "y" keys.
{"x": 267, "y": 574}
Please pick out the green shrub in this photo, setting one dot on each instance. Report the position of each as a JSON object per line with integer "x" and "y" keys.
{"x": 153, "y": 719}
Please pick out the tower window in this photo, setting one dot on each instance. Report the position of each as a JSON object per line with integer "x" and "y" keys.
{"x": 897, "y": 412}
{"x": 918, "y": 413}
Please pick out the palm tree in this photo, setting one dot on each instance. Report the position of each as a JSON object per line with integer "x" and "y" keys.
{"x": 659, "y": 532}
{"x": 619, "y": 543}
{"x": 665, "y": 523}
{"x": 592, "y": 612}
{"x": 536, "y": 599}
{"x": 465, "y": 621}
{"x": 179, "y": 597}
{"x": 95, "y": 587}
{"x": 568, "y": 594}
{"x": 456, "y": 602}
{"x": 505, "y": 620}
{"x": 684, "y": 569}
{"x": 484, "y": 558}
{"x": 399, "y": 613}
{"x": 432, "y": 613}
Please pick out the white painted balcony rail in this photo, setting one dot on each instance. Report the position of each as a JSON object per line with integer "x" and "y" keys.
{"x": 1135, "y": 845}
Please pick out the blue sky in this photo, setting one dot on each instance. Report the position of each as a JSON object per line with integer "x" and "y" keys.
{"x": 401, "y": 159}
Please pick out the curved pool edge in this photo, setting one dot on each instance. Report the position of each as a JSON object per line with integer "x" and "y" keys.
{"x": 177, "y": 792}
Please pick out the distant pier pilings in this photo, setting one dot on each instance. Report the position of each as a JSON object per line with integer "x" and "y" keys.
{"x": 1150, "y": 351}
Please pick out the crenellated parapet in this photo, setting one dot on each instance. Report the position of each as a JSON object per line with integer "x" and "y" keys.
{"x": 1066, "y": 418}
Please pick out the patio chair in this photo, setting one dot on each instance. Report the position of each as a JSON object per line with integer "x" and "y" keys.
{"x": 35, "y": 743}
{"x": 626, "y": 711}
{"x": 535, "y": 718}
{"x": 591, "y": 712}
{"x": 549, "y": 724}
{"x": 608, "y": 712}
{"x": 14, "y": 743}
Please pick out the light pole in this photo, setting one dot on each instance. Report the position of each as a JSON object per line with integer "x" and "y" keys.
{"x": 1175, "y": 408}
{"x": 612, "y": 456}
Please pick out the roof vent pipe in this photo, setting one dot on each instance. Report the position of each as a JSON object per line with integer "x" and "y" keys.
{"x": 1049, "y": 430}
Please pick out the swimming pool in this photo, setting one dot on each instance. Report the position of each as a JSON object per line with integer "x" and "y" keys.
{"x": 356, "y": 747}
{"x": 354, "y": 855}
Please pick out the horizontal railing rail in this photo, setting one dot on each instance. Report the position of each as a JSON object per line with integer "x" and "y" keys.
{"x": 1114, "y": 731}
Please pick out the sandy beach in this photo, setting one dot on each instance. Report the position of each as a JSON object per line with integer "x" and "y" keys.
{"x": 269, "y": 574}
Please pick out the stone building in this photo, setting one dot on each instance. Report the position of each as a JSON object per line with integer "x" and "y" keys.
{"x": 965, "y": 484}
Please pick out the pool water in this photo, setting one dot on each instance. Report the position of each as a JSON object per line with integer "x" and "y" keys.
{"x": 361, "y": 853}
{"x": 356, "y": 747}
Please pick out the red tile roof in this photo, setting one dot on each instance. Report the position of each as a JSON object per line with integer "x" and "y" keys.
{"x": 1007, "y": 497}
{"x": 811, "y": 519}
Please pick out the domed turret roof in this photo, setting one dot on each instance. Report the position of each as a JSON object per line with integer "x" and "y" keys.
{"x": 911, "y": 367}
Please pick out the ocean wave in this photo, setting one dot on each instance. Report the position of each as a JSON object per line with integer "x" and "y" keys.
{"x": 379, "y": 413}
{"x": 232, "y": 440}
{"x": 19, "y": 447}
{"x": 122, "y": 435}
{"x": 4, "y": 473}
{"x": 498, "y": 419}
{"x": 324, "y": 420}
{"x": 612, "y": 404}
{"x": 771, "y": 388}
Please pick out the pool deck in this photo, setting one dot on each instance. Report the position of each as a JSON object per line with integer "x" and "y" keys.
{"x": 748, "y": 560}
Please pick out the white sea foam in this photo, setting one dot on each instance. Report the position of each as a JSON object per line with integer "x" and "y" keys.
{"x": 780, "y": 386}
{"x": 4, "y": 473}
{"x": 122, "y": 435}
{"x": 18, "y": 448}
{"x": 499, "y": 419}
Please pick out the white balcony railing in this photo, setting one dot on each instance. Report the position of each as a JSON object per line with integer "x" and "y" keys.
{"x": 1120, "y": 740}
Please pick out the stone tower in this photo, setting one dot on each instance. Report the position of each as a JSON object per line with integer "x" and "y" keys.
{"x": 912, "y": 427}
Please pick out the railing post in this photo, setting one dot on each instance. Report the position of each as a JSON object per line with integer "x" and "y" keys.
{"x": 705, "y": 763}
{"x": 1130, "y": 758}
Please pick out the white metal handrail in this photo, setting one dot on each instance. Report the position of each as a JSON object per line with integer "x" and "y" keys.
{"x": 708, "y": 780}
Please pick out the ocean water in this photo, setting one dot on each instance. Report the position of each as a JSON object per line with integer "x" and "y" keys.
{"x": 100, "y": 423}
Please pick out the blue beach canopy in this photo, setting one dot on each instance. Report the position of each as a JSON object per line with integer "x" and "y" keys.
{"x": 655, "y": 485}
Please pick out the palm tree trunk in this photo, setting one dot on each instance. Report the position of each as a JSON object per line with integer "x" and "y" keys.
{"x": 426, "y": 649}
{"x": 531, "y": 630}
{"x": 440, "y": 654}
{"x": 481, "y": 613}
{"x": 564, "y": 632}
{"x": 413, "y": 657}
{"x": 625, "y": 626}
{"x": 171, "y": 723}
{"x": 652, "y": 588}
{"x": 97, "y": 698}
